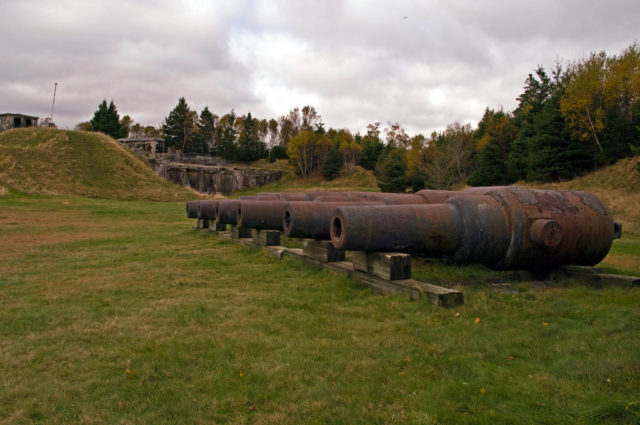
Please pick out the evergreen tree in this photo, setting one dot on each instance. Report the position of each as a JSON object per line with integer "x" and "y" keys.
{"x": 226, "y": 137}
{"x": 106, "y": 120}
{"x": 498, "y": 135}
{"x": 206, "y": 131}
{"x": 372, "y": 147}
{"x": 249, "y": 147}
{"x": 332, "y": 164}
{"x": 179, "y": 128}
{"x": 391, "y": 172}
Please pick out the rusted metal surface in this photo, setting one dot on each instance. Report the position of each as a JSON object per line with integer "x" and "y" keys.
{"x": 503, "y": 227}
{"x": 192, "y": 209}
{"x": 437, "y": 196}
{"x": 429, "y": 229}
{"x": 313, "y": 219}
{"x": 261, "y": 214}
{"x": 207, "y": 209}
{"x": 226, "y": 212}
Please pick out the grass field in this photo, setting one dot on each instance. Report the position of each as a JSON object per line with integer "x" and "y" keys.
{"x": 117, "y": 312}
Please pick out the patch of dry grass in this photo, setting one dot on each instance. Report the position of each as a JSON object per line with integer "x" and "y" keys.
{"x": 57, "y": 162}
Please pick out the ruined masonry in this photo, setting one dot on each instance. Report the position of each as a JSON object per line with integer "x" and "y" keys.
{"x": 202, "y": 173}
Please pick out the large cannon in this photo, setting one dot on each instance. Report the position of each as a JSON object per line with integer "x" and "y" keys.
{"x": 502, "y": 227}
{"x": 505, "y": 227}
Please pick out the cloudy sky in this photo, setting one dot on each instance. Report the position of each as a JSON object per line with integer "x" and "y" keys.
{"x": 422, "y": 63}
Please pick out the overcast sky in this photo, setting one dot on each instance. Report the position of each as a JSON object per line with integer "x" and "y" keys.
{"x": 424, "y": 64}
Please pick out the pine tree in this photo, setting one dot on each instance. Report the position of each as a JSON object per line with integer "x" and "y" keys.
{"x": 106, "y": 120}
{"x": 249, "y": 147}
{"x": 332, "y": 164}
{"x": 496, "y": 139}
{"x": 179, "y": 127}
{"x": 391, "y": 172}
{"x": 206, "y": 131}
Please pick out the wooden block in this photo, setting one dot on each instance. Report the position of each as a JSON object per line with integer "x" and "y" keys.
{"x": 265, "y": 237}
{"x": 595, "y": 277}
{"x": 277, "y": 251}
{"x": 202, "y": 224}
{"x": 323, "y": 251}
{"x": 238, "y": 232}
{"x": 218, "y": 227}
{"x": 387, "y": 265}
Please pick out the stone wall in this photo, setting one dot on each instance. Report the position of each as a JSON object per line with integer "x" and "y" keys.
{"x": 213, "y": 179}
{"x": 9, "y": 121}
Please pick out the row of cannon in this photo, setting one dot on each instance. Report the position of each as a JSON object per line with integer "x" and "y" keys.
{"x": 504, "y": 227}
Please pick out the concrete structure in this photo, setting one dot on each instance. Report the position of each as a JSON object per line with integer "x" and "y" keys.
{"x": 213, "y": 179}
{"x": 145, "y": 146}
{"x": 10, "y": 120}
{"x": 206, "y": 174}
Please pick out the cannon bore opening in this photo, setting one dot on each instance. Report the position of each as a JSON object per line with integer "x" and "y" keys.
{"x": 336, "y": 228}
{"x": 287, "y": 220}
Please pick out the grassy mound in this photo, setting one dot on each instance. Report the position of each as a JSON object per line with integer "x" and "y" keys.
{"x": 58, "y": 162}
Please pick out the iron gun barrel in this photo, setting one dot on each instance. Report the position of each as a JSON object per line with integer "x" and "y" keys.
{"x": 503, "y": 227}
{"x": 313, "y": 219}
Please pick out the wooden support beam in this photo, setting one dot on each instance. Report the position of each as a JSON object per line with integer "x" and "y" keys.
{"x": 387, "y": 265}
{"x": 265, "y": 237}
{"x": 323, "y": 251}
{"x": 238, "y": 232}
{"x": 595, "y": 277}
{"x": 202, "y": 224}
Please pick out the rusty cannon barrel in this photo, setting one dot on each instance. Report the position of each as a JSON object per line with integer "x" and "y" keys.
{"x": 313, "y": 219}
{"x": 502, "y": 227}
{"x": 226, "y": 211}
{"x": 263, "y": 215}
{"x": 192, "y": 209}
{"x": 207, "y": 209}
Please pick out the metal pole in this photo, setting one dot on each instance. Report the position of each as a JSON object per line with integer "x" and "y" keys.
{"x": 55, "y": 87}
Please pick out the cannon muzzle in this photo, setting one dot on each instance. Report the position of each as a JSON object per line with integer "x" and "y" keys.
{"x": 313, "y": 219}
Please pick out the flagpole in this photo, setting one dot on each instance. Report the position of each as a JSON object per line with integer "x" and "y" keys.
{"x": 55, "y": 87}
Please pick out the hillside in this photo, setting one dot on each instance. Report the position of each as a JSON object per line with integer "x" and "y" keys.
{"x": 59, "y": 162}
{"x": 617, "y": 185}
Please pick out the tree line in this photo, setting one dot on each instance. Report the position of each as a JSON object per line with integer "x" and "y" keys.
{"x": 567, "y": 122}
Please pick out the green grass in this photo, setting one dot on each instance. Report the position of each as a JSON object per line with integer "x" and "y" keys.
{"x": 118, "y": 312}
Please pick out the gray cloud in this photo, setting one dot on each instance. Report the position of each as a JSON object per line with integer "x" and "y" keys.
{"x": 355, "y": 61}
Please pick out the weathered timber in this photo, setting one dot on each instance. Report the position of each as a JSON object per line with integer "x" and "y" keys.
{"x": 414, "y": 289}
{"x": 202, "y": 224}
{"x": 595, "y": 277}
{"x": 238, "y": 232}
{"x": 323, "y": 251}
{"x": 265, "y": 237}
{"x": 214, "y": 226}
{"x": 387, "y": 265}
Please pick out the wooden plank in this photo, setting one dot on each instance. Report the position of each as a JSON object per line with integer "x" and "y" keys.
{"x": 265, "y": 237}
{"x": 386, "y": 265}
{"x": 323, "y": 251}
{"x": 595, "y": 277}
{"x": 437, "y": 295}
{"x": 238, "y": 232}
